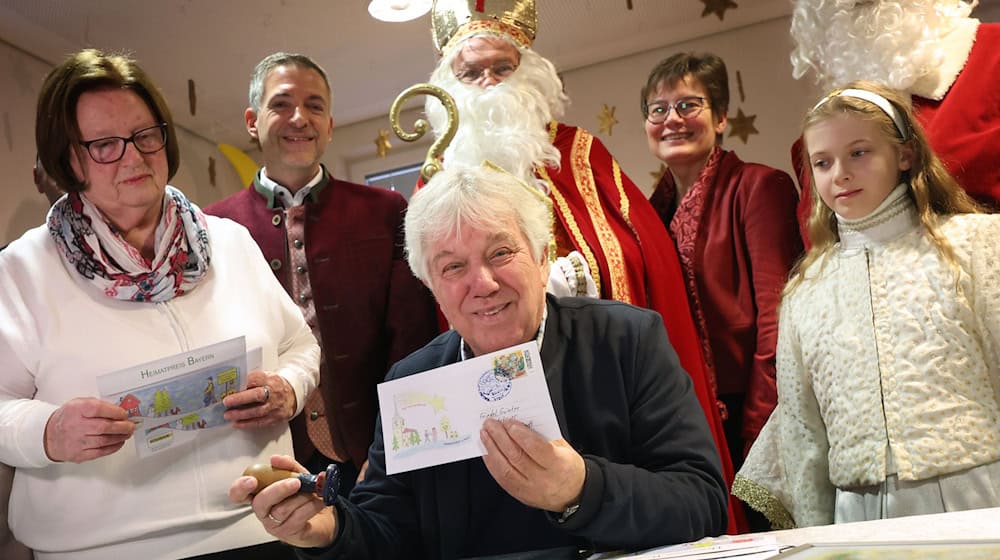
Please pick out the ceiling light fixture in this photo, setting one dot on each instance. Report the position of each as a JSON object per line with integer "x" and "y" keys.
{"x": 398, "y": 10}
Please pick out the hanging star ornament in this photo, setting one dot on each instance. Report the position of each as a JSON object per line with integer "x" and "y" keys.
{"x": 742, "y": 125}
{"x": 717, "y": 7}
{"x": 607, "y": 119}
{"x": 382, "y": 145}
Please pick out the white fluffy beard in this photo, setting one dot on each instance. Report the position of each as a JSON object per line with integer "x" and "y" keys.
{"x": 506, "y": 123}
{"x": 888, "y": 41}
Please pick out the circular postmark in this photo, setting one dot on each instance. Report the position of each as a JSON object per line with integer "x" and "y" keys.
{"x": 493, "y": 387}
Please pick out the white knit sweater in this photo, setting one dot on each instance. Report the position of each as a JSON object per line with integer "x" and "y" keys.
{"x": 58, "y": 333}
{"x": 878, "y": 351}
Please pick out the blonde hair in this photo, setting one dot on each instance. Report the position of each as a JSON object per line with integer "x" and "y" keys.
{"x": 934, "y": 191}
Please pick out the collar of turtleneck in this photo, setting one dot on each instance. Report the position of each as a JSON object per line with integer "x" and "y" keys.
{"x": 896, "y": 216}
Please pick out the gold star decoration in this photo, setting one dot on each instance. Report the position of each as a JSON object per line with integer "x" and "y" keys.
{"x": 742, "y": 125}
{"x": 607, "y": 119}
{"x": 382, "y": 145}
{"x": 717, "y": 7}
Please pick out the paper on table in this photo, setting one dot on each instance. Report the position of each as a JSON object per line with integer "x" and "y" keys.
{"x": 434, "y": 417}
{"x": 742, "y": 547}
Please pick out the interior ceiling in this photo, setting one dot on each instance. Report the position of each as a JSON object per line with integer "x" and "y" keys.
{"x": 216, "y": 43}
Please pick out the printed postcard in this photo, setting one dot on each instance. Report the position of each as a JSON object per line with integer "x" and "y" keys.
{"x": 173, "y": 398}
{"x": 434, "y": 417}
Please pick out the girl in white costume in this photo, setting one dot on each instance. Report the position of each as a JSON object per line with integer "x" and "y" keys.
{"x": 888, "y": 358}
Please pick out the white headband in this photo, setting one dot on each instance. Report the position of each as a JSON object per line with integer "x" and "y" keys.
{"x": 882, "y": 103}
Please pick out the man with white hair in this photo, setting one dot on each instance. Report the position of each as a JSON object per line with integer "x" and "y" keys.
{"x": 509, "y": 101}
{"x": 635, "y": 467}
{"x": 931, "y": 49}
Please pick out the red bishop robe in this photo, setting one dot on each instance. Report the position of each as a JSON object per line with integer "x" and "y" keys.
{"x": 737, "y": 240}
{"x": 602, "y": 214}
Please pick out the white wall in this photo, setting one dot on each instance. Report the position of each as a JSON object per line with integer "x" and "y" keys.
{"x": 352, "y": 155}
{"x": 760, "y": 53}
{"x": 22, "y": 206}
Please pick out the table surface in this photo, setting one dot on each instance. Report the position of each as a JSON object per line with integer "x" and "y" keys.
{"x": 959, "y": 525}
{"x": 980, "y": 524}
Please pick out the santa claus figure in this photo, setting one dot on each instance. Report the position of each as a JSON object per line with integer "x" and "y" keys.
{"x": 931, "y": 49}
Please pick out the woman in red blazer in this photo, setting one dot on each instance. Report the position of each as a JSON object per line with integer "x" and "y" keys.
{"x": 736, "y": 234}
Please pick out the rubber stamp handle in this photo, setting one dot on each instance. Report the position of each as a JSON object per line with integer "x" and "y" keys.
{"x": 266, "y": 475}
{"x": 324, "y": 484}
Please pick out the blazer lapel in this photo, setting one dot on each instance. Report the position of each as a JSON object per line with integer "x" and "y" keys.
{"x": 553, "y": 354}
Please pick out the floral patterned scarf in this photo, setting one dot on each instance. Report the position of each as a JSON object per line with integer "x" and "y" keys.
{"x": 90, "y": 245}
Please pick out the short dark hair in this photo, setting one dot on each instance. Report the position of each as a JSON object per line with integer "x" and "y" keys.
{"x": 56, "y": 127}
{"x": 707, "y": 68}
{"x": 272, "y": 61}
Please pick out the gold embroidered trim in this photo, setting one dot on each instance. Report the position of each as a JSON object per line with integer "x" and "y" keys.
{"x": 624, "y": 202}
{"x": 581, "y": 278}
{"x": 574, "y": 229}
{"x": 583, "y": 174}
{"x": 895, "y": 208}
{"x": 492, "y": 26}
{"x": 760, "y": 499}
{"x": 552, "y": 248}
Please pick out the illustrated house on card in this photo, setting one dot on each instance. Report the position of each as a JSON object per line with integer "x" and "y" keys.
{"x": 131, "y": 404}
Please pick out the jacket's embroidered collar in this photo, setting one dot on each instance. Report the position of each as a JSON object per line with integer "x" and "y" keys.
{"x": 270, "y": 189}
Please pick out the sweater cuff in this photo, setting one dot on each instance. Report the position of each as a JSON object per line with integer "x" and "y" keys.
{"x": 590, "y": 499}
{"x": 300, "y": 368}
{"x": 332, "y": 551}
{"x": 26, "y": 439}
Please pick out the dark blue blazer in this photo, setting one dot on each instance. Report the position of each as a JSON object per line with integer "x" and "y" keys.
{"x": 623, "y": 402}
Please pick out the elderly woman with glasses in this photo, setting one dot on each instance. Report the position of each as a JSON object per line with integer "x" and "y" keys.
{"x": 127, "y": 271}
{"x": 736, "y": 234}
